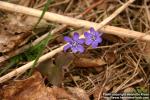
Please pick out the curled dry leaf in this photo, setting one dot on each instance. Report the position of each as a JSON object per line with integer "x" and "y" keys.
{"x": 61, "y": 94}
{"x": 87, "y": 62}
{"x": 78, "y": 93}
{"x": 32, "y": 88}
{"x": 110, "y": 57}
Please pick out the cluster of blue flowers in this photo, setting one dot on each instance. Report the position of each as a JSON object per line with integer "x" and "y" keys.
{"x": 92, "y": 38}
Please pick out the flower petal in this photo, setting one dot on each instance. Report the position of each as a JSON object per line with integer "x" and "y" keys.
{"x": 98, "y": 39}
{"x": 87, "y": 35}
{"x": 80, "y": 48}
{"x": 94, "y": 44}
{"x": 97, "y": 33}
{"x": 66, "y": 47}
{"x": 74, "y": 49}
{"x": 68, "y": 39}
{"x": 81, "y": 41}
{"x": 88, "y": 41}
{"x": 76, "y": 36}
{"x": 92, "y": 30}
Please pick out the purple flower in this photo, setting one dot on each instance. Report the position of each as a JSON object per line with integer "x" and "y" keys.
{"x": 92, "y": 38}
{"x": 75, "y": 44}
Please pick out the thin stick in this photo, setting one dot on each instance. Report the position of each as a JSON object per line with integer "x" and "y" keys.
{"x": 74, "y": 22}
{"x": 23, "y": 68}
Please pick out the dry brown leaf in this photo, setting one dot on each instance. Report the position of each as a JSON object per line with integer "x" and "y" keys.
{"x": 102, "y": 6}
{"x": 87, "y": 62}
{"x": 112, "y": 38}
{"x": 110, "y": 57}
{"x": 128, "y": 90}
{"x": 61, "y": 94}
{"x": 78, "y": 93}
{"x": 32, "y": 88}
{"x": 15, "y": 30}
{"x": 12, "y": 33}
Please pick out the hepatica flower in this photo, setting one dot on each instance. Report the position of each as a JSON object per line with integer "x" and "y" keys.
{"x": 92, "y": 38}
{"x": 74, "y": 43}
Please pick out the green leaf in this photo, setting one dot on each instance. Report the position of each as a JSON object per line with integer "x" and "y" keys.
{"x": 43, "y": 45}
